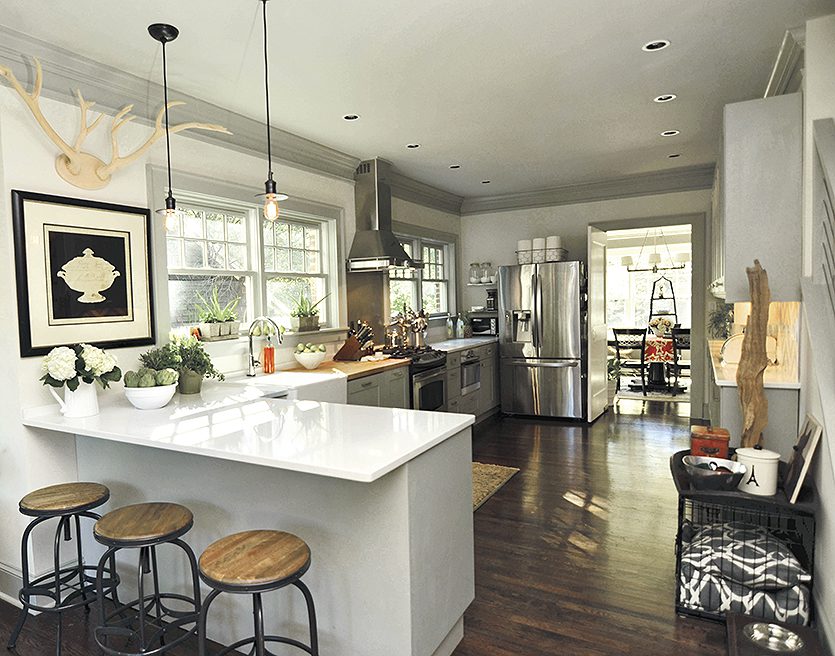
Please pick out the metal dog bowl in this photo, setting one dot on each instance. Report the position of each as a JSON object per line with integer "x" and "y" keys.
{"x": 772, "y": 637}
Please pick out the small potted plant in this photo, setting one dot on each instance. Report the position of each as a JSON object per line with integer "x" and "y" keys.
{"x": 194, "y": 364}
{"x": 660, "y": 326}
{"x": 216, "y": 320}
{"x": 79, "y": 367}
{"x": 612, "y": 374}
{"x": 304, "y": 317}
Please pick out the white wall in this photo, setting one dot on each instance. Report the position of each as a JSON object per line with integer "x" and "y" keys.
{"x": 819, "y": 102}
{"x": 30, "y": 459}
{"x": 491, "y": 237}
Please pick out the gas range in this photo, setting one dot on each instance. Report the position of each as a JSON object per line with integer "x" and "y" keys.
{"x": 423, "y": 358}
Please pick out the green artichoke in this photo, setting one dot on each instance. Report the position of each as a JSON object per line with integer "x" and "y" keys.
{"x": 147, "y": 380}
{"x": 131, "y": 379}
{"x": 167, "y": 377}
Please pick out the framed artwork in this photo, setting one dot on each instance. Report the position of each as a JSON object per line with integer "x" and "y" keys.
{"x": 83, "y": 273}
{"x": 804, "y": 450}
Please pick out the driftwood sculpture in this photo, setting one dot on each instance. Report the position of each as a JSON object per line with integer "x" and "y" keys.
{"x": 754, "y": 360}
{"x": 83, "y": 169}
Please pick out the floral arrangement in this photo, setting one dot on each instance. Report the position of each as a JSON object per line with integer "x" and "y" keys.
{"x": 660, "y": 325}
{"x": 80, "y": 363}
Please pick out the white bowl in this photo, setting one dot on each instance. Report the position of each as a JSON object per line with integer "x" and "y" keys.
{"x": 150, "y": 398}
{"x": 310, "y": 360}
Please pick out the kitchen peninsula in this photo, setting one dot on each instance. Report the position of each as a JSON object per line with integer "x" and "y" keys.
{"x": 381, "y": 495}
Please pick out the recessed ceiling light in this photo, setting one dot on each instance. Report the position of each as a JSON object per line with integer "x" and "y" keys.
{"x": 455, "y": 166}
{"x": 664, "y": 97}
{"x": 485, "y": 182}
{"x": 670, "y": 133}
{"x": 413, "y": 146}
{"x": 674, "y": 155}
{"x": 351, "y": 117}
{"x": 658, "y": 44}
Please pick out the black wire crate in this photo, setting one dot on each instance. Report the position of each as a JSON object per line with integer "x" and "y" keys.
{"x": 740, "y": 554}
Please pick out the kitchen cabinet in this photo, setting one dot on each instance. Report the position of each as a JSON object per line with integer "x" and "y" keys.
{"x": 388, "y": 389}
{"x": 395, "y": 390}
{"x": 365, "y": 391}
{"x": 488, "y": 395}
{"x": 453, "y": 380}
{"x": 761, "y": 195}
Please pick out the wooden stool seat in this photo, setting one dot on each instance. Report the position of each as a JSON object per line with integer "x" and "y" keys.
{"x": 254, "y": 559}
{"x": 64, "y": 499}
{"x": 143, "y": 523}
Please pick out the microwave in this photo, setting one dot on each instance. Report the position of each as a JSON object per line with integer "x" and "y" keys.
{"x": 484, "y": 324}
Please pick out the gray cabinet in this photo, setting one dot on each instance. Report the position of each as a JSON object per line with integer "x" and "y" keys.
{"x": 488, "y": 397}
{"x": 365, "y": 391}
{"x": 395, "y": 392}
{"x": 760, "y": 206}
{"x": 388, "y": 389}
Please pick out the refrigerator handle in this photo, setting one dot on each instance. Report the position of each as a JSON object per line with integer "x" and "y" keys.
{"x": 535, "y": 311}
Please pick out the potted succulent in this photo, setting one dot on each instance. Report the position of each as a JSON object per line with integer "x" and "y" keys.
{"x": 612, "y": 375}
{"x": 216, "y": 320}
{"x": 79, "y": 367}
{"x": 304, "y": 316}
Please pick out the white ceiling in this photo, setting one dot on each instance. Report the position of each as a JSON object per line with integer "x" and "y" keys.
{"x": 528, "y": 94}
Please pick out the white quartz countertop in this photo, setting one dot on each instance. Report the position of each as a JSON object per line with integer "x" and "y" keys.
{"x": 239, "y": 423}
{"x": 453, "y": 345}
{"x": 773, "y": 378}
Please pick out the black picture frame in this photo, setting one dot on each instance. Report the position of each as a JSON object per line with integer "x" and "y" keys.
{"x": 49, "y": 231}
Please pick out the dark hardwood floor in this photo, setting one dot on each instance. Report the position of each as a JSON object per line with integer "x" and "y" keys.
{"x": 573, "y": 556}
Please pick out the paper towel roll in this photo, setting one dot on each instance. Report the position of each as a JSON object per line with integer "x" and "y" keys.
{"x": 539, "y": 244}
{"x": 553, "y": 242}
{"x": 523, "y": 245}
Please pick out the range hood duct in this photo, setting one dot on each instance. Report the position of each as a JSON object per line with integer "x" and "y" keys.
{"x": 375, "y": 247}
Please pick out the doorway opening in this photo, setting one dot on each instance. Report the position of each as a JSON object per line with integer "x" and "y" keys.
{"x": 649, "y": 314}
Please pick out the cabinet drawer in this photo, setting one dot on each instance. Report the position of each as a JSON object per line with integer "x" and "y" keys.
{"x": 396, "y": 374}
{"x": 453, "y": 405}
{"x": 453, "y": 360}
{"x": 453, "y": 383}
{"x": 468, "y": 404}
{"x": 364, "y": 383}
{"x": 486, "y": 352}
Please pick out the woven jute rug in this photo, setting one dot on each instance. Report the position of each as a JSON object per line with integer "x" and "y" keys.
{"x": 487, "y": 480}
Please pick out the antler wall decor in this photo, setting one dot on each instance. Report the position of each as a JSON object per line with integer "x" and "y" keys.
{"x": 83, "y": 169}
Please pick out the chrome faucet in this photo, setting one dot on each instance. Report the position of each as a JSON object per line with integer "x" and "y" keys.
{"x": 253, "y": 361}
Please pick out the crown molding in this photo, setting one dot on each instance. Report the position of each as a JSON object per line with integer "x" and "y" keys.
{"x": 787, "y": 72}
{"x": 424, "y": 194}
{"x": 690, "y": 178}
{"x": 112, "y": 89}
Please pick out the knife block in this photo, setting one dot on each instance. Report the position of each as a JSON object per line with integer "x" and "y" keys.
{"x": 350, "y": 350}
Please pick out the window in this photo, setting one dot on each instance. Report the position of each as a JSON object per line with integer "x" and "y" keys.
{"x": 228, "y": 245}
{"x": 294, "y": 265}
{"x": 428, "y": 288}
{"x": 208, "y": 248}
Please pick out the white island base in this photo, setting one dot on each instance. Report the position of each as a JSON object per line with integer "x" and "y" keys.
{"x": 392, "y": 558}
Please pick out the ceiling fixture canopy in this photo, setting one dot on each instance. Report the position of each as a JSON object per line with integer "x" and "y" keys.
{"x": 270, "y": 195}
{"x": 165, "y": 34}
{"x": 654, "y": 259}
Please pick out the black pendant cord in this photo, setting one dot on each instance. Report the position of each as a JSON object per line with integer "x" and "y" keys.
{"x": 167, "y": 136}
{"x": 267, "y": 94}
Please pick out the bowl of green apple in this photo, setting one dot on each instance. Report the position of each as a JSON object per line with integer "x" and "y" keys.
{"x": 310, "y": 355}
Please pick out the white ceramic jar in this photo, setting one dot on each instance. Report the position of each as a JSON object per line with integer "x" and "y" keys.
{"x": 761, "y": 475}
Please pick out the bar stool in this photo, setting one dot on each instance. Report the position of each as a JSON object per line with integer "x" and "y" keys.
{"x": 253, "y": 562}
{"x": 146, "y": 526}
{"x": 71, "y": 586}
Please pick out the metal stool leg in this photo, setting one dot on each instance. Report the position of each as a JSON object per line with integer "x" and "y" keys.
{"x": 80, "y": 557}
{"x": 24, "y": 560}
{"x": 311, "y": 617}
{"x": 201, "y": 623}
{"x": 258, "y": 616}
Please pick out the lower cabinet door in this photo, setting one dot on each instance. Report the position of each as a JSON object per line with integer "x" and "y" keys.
{"x": 395, "y": 388}
{"x": 365, "y": 391}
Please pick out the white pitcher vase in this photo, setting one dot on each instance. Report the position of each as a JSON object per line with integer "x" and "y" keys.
{"x": 83, "y": 402}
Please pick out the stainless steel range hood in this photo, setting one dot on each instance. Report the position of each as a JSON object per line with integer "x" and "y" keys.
{"x": 375, "y": 247}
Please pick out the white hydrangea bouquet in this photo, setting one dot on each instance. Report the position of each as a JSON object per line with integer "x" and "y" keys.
{"x": 79, "y": 363}
{"x": 660, "y": 326}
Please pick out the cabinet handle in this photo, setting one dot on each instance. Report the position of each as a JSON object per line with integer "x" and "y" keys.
{"x": 368, "y": 384}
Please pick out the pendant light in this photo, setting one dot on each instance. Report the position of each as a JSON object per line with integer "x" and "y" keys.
{"x": 164, "y": 34}
{"x": 270, "y": 195}
{"x": 654, "y": 259}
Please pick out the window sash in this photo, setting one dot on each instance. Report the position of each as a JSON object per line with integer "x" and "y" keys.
{"x": 439, "y": 258}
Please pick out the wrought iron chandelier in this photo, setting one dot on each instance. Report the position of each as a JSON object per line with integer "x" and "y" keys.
{"x": 654, "y": 259}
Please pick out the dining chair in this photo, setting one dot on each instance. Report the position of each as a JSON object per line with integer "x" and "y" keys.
{"x": 681, "y": 342}
{"x": 627, "y": 340}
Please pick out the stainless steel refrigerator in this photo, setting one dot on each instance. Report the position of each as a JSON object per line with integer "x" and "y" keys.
{"x": 542, "y": 324}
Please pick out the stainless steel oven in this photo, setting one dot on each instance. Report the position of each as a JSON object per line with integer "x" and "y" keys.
{"x": 470, "y": 373}
{"x": 429, "y": 389}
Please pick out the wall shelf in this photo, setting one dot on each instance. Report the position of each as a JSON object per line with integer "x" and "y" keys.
{"x": 482, "y": 284}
